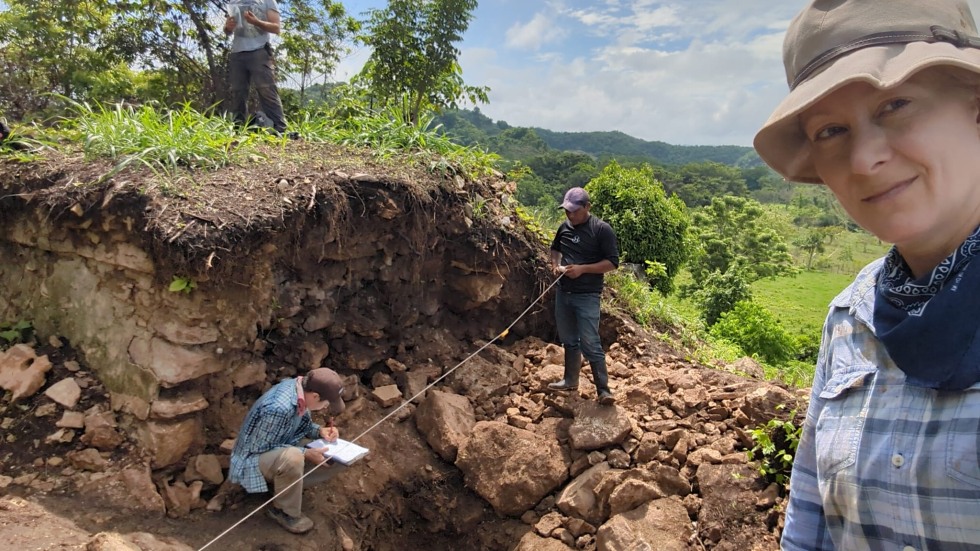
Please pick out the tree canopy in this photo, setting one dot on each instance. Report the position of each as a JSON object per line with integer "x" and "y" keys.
{"x": 730, "y": 231}
{"x": 650, "y": 226}
{"x": 414, "y": 56}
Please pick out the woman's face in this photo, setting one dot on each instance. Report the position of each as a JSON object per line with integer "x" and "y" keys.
{"x": 903, "y": 162}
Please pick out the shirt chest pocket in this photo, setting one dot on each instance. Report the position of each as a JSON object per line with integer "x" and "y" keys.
{"x": 841, "y": 422}
{"x": 963, "y": 440}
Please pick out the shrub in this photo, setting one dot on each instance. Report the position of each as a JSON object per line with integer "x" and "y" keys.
{"x": 775, "y": 446}
{"x": 757, "y": 331}
{"x": 720, "y": 292}
{"x": 649, "y": 225}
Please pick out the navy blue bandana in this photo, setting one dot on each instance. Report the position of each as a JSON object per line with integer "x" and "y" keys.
{"x": 929, "y": 326}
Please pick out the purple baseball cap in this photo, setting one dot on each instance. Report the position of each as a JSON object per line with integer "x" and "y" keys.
{"x": 575, "y": 199}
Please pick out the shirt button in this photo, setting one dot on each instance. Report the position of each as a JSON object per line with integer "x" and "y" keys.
{"x": 908, "y": 548}
{"x": 898, "y": 461}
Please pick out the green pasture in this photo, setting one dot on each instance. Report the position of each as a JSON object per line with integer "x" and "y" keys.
{"x": 800, "y": 302}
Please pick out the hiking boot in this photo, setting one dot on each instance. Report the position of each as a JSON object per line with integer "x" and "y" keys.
{"x": 562, "y": 386}
{"x": 297, "y": 525}
{"x": 606, "y": 398}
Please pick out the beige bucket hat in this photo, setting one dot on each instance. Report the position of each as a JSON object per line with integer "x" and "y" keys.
{"x": 832, "y": 43}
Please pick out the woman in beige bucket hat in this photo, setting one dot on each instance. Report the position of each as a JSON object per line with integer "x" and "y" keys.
{"x": 884, "y": 109}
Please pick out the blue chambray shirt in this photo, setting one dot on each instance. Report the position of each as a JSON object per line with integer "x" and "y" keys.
{"x": 272, "y": 423}
{"x": 881, "y": 464}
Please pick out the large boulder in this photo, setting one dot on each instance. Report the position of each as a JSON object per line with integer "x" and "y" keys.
{"x": 481, "y": 379}
{"x": 511, "y": 468}
{"x": 662, "y": 524}
{"x": 445, "y": 419}
{"x": 578, "y": 498}
{"x": 597, "y": 426}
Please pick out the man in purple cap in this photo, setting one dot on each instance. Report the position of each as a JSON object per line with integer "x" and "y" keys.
{"x": 268, "y": 447}
{"x": 583, "y": 250}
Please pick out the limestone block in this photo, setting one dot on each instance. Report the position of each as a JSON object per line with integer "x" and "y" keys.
{"x": 179, "y": 332}
{"x": 204, "y": 467}
{"x": 188, "y": 402}
{"x": 481, "y": 379}
{"x": 387, "y": 396}
{"x": 173, "y": 364}
{"x": 249, "y": 373}
{"x": 548, "y": 524}
{"x": 169, "y": 441}
{"x": 445, "y": 420}
{"x": 578, "y": 498}
{"x": 88, "y": 459}
{"x": 22, "y": 371}
{"x": 105, "y": 438}
{"x": 65, "y": 392}
{"x": 71, "y": 420}
{"x": 413, "y": 383}
{"x": 661, "y": 524}
{"x": 511, "y": 468}
{"x": 597, "y": 427}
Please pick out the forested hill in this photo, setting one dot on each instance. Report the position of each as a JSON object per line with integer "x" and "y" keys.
{"x": 620, "y": 145}
{"x": 473, "y": 127}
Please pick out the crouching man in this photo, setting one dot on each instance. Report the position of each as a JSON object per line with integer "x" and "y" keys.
{"x": 269, "y": 449}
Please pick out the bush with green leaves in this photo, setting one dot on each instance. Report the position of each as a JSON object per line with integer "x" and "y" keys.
{"x": 720, "y": 292}
{"x": 775, "y": 447}
{"x": 13, "y": 333}
{"x": 808, "y": 344}
{"x": 649, "y": 225}
{"x": 757, "y": 332}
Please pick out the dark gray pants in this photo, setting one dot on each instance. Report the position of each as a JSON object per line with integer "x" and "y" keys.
{"x": 256, "y": 68}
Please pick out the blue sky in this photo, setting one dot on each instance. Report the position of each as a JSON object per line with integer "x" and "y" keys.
{"x": 692, "y": 72}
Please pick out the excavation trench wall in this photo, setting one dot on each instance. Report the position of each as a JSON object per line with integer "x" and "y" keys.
{"x": 349, "y": 271}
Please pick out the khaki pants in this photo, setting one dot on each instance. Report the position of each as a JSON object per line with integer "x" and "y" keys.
{"x": 282, "y": 467}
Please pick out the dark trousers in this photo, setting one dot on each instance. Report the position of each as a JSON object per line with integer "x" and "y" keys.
{"x": 577, "y": 317}
{"x": 256, "y": 68}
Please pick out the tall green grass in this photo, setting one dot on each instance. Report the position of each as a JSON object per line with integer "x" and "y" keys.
{"x": 164, "y": 140}
{"x": 387, "y": 133}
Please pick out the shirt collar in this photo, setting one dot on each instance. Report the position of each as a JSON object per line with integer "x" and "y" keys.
{"x": 300, "y": 397}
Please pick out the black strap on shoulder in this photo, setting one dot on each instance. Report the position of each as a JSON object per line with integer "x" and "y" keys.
{"x": 935, "y": 34}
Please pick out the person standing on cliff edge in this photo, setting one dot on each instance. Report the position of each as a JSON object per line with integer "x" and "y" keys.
{"x": 251, "y": 62}
{"x": 583, "y": 250}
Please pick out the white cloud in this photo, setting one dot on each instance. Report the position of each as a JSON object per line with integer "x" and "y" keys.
{"x": 534, "y": 34}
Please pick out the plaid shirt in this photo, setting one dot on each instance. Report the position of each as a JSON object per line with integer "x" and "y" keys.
{"x": 881, "y": 464}
{"x": 273, "y": 422}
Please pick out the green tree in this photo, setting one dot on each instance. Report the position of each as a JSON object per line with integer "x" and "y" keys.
{"x": 313, "y": 40}
{"x": 697, "y": 183}
{"x": 720, "y": 292}
{"x": 753, "y": 328}
{"x": 415, "y": 58}
{"x": 732, "y": 230}
{"x": 811, "y": 242}
{"x": 649, "y": 225}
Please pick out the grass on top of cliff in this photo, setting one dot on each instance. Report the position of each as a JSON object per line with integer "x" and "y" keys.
{"x": 167, "y": 140}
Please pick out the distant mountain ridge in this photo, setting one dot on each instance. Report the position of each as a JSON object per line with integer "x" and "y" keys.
{"x": 618, "y": 144}
{"x": 471, "y": 127}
